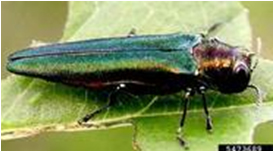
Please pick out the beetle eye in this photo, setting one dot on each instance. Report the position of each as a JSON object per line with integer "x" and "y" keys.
{"x": 241, "y": 71}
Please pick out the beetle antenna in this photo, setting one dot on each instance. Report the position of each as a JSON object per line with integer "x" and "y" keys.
{"x": 258, "y": 52}
{"x": 213, "y": 29}
{"x": 259, "y": 46}
{"x": 258, "y": 94}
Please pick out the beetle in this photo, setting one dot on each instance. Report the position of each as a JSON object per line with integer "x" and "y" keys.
{"x": 145, "y": 64}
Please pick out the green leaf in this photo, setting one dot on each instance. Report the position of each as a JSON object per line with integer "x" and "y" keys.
{"x": 30, "y": 106}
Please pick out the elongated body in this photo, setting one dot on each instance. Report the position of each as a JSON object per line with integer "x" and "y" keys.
{"x": 150, "y": 64}
{"x": 146, "y": 64}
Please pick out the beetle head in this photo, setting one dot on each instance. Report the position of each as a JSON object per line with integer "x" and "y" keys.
{"x": 234, "y": 78}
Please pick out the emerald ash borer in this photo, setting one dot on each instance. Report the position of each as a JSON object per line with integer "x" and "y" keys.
{"x": 149, "y": 64}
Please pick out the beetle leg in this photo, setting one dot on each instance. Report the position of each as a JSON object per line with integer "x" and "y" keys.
{"x": 111, "y": 100}
{"x": 208, "y": 118}
{"x": 259, "y": 93}
{"x": 132, "y": 32}
{"x": 182, "y": 121}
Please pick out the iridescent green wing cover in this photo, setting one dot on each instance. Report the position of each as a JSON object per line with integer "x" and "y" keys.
{"x": 171, "y": 53}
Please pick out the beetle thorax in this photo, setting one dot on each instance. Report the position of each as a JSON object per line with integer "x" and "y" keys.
{"x": 213, "y": 56}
